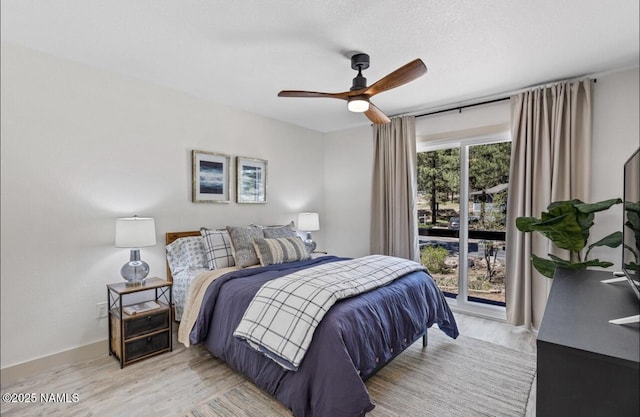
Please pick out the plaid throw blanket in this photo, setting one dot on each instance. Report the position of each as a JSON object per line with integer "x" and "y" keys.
{"x": 283, "y": 315}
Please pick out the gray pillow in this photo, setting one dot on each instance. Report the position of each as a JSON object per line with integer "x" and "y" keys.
{"x": 242, "y": 244}
{"x": 280, "y": 250}
{"x": 272, "y": 232}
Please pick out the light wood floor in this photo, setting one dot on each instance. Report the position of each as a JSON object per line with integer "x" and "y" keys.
{"x": 173, "y": 383}
{"x": 492, "y": 331}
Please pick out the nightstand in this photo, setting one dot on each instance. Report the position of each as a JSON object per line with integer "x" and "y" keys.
{"x": 141, "y": 335}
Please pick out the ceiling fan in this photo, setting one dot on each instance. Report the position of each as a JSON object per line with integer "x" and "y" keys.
{"x": 358, "y": 97}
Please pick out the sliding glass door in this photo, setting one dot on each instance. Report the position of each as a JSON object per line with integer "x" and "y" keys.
{"x": 462, "y": 203}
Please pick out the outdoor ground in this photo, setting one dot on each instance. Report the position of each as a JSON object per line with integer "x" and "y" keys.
{"x": 446, "y": 275}
{"x": 479, "y": 286}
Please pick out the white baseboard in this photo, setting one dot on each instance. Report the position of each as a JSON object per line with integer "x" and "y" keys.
{"x": 13, "y": 373}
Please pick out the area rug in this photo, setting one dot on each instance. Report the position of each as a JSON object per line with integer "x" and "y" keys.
{"x": 450, "y": 378}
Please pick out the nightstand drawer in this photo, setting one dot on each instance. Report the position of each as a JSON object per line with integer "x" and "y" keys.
{"x": 146, "y": 345}
{"x": 146, "y": 323}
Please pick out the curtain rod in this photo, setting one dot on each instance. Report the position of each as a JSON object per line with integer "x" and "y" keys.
{"x": 507, "y": 96}
{"x": 459, "y": 108}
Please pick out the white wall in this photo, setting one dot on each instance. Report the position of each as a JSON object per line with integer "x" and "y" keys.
{"x": 348, "y": 171}
{"x": 616, "y": 136}
{"x": 82, "y": 146}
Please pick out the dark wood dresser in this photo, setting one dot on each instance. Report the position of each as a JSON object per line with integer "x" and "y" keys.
{"x": 587, "y": 366}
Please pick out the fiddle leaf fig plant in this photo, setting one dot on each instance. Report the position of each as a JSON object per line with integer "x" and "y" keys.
{"x": 633, "y": 223}
{"x": 567, "y": 224}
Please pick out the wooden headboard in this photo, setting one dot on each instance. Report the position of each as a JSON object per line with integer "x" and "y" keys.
{"x": 170, "y": 237}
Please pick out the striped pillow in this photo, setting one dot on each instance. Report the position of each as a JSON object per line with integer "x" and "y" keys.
{"x": 280, "y": 250}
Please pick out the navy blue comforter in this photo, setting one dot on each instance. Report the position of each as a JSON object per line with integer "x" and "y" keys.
{"x": 356, "y": 338}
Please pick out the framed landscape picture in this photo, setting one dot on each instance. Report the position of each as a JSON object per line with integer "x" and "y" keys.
{"x": 211, "y": 177}
{"x": 251, "y": 180}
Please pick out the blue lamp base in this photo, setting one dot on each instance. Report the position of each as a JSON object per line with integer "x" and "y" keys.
{"x": 309, "y": 243}
{"x": 136, "y": 270}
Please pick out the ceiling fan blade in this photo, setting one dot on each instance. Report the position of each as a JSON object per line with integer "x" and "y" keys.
{"x": 403, "y": 75}
{"x": 296, "y": 93}
{"x": 375, "y": 115}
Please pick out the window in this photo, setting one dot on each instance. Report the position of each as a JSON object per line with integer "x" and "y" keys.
{"x": 462, "y": 205}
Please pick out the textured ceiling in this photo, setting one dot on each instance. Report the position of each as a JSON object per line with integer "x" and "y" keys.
{"x": 241, "y": 53}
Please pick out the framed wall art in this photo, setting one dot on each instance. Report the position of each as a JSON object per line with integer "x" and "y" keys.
{"x": 211, "y": 177}
{"x": 251, "y": 180}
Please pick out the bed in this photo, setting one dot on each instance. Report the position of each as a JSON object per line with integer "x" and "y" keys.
{"x": 357, "y": 336}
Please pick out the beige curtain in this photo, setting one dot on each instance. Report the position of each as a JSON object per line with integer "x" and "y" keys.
{"x": 394, "y": 216}
{"x": 550, "y": 161}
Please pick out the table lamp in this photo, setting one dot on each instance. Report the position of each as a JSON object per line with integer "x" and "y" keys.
{"x": 135, "y": 232}
{"x": 309, "y": 222}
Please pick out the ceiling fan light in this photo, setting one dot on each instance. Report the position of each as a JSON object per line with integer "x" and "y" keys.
{"x": 358, "y": 105}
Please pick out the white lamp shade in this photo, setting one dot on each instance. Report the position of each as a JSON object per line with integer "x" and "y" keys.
{"x": 309, "y": 222}
{"x": 135, "y": 232}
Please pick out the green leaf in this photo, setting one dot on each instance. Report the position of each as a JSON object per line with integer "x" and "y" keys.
{"x": 565, "y": 203}
{"x": 592, "y": 262}
{"x": 595, "y": 207}
{"x": 587, "y": 264}
{"x": 559, "y": 225}
{"x": 631, "y": 206}
{"x": 613, "y": 241}
{"x": 544, "y": 266}
{"x": 632, "y": 266}
{"x": 549, "y": 219}
{"x": 558, "y": 261}
{"x": 547, "y": 267}
{"x": 586, "y": 213}
{"x": 633, "y": 223}
{"x": 566, "y": 234}
{"x": 635, "y": 253}
{"x": 524, "y": 223}
{"x": 558, "y": 210}
{"x": 633, "y": 220}
{"x": 598, "y": 263}
{"x": 585, "y": 221}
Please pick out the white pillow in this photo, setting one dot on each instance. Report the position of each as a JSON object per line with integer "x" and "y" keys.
{"x": 185, "y": 253}
{"x": 217, "y": 248}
